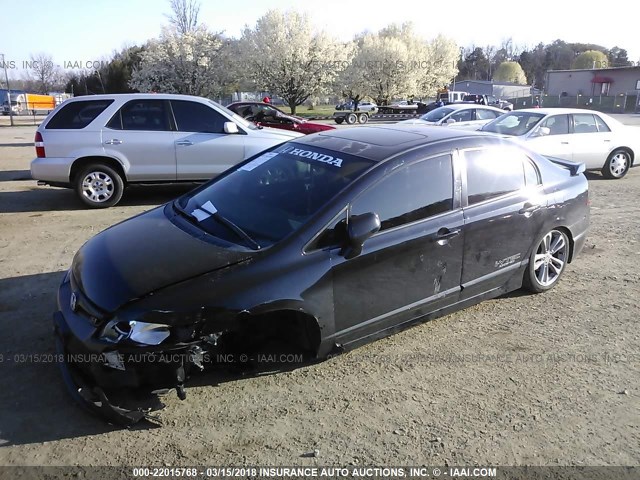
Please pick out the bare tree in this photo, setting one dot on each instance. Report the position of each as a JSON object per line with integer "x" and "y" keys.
{"x": 44, "y": 72}
{"x": 184, "y": 16}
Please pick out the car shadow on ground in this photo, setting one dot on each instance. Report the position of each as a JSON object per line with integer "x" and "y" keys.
{"x": 594, "y": 176}
{"x": 14, "y": 175}
{"x": 35, "y": 405}
{"x": 19, "y": 144}
{"x": 39, "y": 199}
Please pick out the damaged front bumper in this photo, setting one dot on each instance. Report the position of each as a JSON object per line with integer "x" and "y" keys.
{"x": 110, "y": 379}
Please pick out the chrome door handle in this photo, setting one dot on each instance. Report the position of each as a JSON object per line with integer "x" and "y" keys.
{"x": 443, "y": 235}
{"x": 113, "y": 141}
{"x": 185, "y": 143}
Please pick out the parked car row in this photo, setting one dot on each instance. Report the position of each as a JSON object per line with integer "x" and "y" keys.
{"x": 596, "y": 139}
{"x": 100, "y": 144}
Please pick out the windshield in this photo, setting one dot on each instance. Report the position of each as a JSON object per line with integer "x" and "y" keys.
{"x": 237, "y": 118}
{"x": 273, "y": 195}
{"x": 515, "y": 123}
{"x": 437, "y": 114}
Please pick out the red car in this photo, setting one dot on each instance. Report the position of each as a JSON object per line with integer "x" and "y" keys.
{"x": 267, "y": 115}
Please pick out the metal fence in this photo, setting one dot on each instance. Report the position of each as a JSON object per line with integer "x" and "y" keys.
{"x": 623, "y": 103}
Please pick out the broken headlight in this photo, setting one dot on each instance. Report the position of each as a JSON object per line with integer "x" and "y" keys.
{"x": 143, "y": 333}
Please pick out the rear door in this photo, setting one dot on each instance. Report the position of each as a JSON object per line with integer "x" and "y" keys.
{"x": 591, "y": 141}
{"x": 140, "y": 135}
{"x": 503, "y": 213}
{"x": 203, "y": 149}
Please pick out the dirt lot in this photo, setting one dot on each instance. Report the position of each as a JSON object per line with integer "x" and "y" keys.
{"x": 540, "y": 380}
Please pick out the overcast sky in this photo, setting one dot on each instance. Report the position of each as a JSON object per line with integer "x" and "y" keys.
{"x": 81, "y": 31}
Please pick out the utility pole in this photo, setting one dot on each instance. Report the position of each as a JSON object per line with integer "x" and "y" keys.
{"x": 6, "y": 77}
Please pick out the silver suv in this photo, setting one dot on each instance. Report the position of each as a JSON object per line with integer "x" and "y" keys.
{"x": 99, "y": 144}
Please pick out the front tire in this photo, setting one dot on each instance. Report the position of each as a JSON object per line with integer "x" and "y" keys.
{"x": 339, "y": 120}
{"x": 547, "y": 262}
{"x": 99, "y": 186}
{"x": 617, "y": 165}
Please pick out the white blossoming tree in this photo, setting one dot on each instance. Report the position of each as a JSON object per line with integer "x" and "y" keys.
{"x": 190, "y": 63}
{"x": 282, "y": 54}
{"x": 396, "y": 62}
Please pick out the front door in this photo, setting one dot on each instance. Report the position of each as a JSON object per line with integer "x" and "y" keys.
{"x": 412, "y": 266}
{"x": 203, "y": 149}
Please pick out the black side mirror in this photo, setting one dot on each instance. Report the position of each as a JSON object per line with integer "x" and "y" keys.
{"x": 360, "y": 228}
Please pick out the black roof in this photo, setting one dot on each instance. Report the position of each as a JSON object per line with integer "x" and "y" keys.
{"x": 379, "y": 142}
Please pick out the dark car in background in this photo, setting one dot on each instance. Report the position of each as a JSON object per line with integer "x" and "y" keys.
{"x": 313, "y": 247}
{"x": 266, "y": 115}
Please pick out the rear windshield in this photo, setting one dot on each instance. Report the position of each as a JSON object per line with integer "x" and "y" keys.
{"x": 76, "y": 115}
{"x": 274, "y": 194}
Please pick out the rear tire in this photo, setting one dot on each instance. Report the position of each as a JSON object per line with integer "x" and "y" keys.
{"x": 99, "y": 186}
{"x": 363, "y": 118}
{"x": 352, "y": 118}
{"x": 617, "y": 165}
{"x": 547, "y": 262}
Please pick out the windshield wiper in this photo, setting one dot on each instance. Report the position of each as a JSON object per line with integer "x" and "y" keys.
{"x": 221, "y": 219}
{"x": 183, "y": 212}
{"x": 235, "y": 229}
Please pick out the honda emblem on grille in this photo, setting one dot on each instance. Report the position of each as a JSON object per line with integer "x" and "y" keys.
{"x": 73, "y": 302}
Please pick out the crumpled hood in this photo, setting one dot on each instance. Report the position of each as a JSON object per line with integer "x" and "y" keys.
{"x": 141, "y": 255}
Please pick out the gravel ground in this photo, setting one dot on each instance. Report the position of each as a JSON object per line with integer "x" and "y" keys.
{"x": 548, "y": 379}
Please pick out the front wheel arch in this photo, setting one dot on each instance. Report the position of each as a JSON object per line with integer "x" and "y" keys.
{"x": 295, "y": 328}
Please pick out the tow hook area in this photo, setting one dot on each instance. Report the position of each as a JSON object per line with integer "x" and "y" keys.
{"x": 123, "y": 406}
{"x": 95, "y": 400}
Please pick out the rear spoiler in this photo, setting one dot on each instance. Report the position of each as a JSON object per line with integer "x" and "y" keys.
{"x": 575, "y": 168}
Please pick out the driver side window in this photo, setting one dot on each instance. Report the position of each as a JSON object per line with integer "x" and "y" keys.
{"x": 410, "y": 193}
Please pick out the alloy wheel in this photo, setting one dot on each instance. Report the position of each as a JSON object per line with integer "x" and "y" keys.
{"x": 550, "y": 258}
{"x": 97, "y": 186}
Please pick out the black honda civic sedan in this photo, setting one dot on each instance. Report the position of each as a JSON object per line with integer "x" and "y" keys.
{"x": 310, "y": 248}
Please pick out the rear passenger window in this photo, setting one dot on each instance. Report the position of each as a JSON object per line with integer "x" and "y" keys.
{"x": 602, "y": 127}
{"x": 411, "y": 193}
{"x": 492, "y": 173}
{"x": 149, "y": 115}
{"x": 584, "y": 123}
{"x": 197, "y": 117}
{"x": 482, "y": 114}
{"x": 76, "y": 115}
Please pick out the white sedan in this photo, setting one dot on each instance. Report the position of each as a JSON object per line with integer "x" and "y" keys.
{"x": 461, "y": 115}
{"x": 594, "y": 138}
